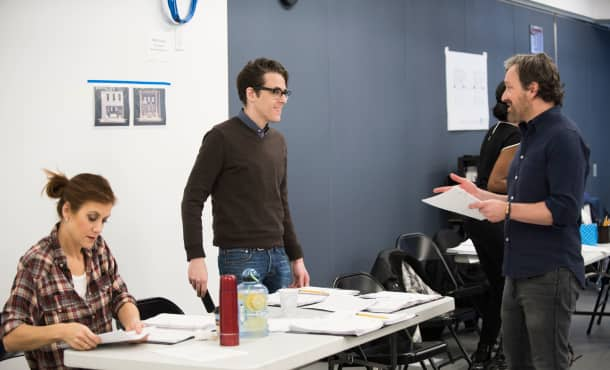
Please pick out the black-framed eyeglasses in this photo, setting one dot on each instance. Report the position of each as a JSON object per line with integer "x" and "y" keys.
{"x": 275, "y": 91}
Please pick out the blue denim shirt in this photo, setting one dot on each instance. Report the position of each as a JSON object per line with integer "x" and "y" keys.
{"x": 551, "y": 165}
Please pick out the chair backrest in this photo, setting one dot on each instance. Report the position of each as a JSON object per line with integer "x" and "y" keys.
{"x": 150, "y": 307}
{"x": 427, "y": 261}
{"x": 361, "y": 281}
{"x": 447, "y": 238}
{"x": 387, "y": 269}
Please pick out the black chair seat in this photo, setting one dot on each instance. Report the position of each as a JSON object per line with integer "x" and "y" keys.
{"x": 415, "y": 353}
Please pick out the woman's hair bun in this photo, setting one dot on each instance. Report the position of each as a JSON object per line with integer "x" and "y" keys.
{"x": 56, "y": 184}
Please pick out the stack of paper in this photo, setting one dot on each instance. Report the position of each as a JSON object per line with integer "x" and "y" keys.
{"x": 309, "y": 295}
{"x": 342, "y": 303}
{"x": 337, "y": 324}
{"x": 393, "y": 301}
{"x": 175, "y": 321}
{"x": 154, "y": 335}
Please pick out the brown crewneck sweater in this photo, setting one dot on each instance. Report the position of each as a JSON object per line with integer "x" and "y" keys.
{"x": 246, "y": 176}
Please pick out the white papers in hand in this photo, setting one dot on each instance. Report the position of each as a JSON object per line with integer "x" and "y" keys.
{"x": 175, "y": 321}
{"x": 455, "y": 200}
{"x": 120, "y": 336}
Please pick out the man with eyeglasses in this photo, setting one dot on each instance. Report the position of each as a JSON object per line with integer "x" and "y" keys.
{"x": 242, "y": 164}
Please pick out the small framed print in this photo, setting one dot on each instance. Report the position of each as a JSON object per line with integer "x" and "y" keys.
{"x": 111, "y": 106}
{"x": 536, "y": 39}
{"x": 148, "y": 106}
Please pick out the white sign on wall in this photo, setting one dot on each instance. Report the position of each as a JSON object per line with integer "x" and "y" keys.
{"x": 466, "y": 78}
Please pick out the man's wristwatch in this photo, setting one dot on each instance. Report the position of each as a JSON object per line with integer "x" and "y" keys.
{"x": 507, "y": 210}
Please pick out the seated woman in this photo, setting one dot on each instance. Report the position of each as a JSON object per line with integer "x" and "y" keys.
{"x": 67, "y": 287}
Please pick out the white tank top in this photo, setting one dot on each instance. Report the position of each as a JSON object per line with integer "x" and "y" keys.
{"x": 80, "y": 284}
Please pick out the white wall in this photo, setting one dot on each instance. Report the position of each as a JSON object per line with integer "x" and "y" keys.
{"x": 49, "y": 51}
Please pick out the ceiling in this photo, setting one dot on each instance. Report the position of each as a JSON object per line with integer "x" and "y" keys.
{"x": 594, "y": 11}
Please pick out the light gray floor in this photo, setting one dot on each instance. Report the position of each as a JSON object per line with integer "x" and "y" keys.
{"x": 595, "y": 348}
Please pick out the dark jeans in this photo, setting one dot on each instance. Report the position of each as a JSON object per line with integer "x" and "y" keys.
{"x": 272, "y": 265}
{"x": 488, "y": 240}
{"x": 537, "y": 313}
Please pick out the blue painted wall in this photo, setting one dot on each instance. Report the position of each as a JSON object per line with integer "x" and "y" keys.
{"x": 366, "y": 125}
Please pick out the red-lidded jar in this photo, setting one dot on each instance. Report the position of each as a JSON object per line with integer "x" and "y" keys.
{"x": 229, "y": 323}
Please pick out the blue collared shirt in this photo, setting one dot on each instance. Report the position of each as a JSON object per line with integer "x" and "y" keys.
{"x": 551, "y": 165}
{"x": 250, "y": 123}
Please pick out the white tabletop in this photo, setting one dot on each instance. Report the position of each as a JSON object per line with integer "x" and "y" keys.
{"x": 278, "y": 351}
{"x": 590, "y": 253}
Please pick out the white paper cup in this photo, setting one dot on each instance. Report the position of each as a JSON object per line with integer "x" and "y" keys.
{"x": 288, "y": 301}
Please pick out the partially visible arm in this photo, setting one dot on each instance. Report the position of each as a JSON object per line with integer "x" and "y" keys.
{"x": 300, "y": 276}
{"x": 531, "y": 213}
{"x": 471, "y": 188}
{"x": 291, "y": 244}
{"x": 129, "y": 316}
{"x": 27, "y": 337}
{"x": 198, "y": 275}
{"x": 499, "y": 173}
{"x": 206, "y": 169}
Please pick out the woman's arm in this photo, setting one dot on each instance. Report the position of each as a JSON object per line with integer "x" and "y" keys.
{"x": 129, "y": 316}
{"x": 27, "y": 337}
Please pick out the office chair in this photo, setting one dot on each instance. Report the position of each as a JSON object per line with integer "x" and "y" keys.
{"x": 378, "y": 353}
{"x": 422, "y": 254}
{"x": 150, "y": 307}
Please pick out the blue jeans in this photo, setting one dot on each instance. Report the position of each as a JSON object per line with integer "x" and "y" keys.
{"x": 536, "y": 317}
{"x": 272, "y": 265}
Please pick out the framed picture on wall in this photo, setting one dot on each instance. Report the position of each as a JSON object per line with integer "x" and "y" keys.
{"x": 111, "y": 106}
{"x": 149, "y": 106}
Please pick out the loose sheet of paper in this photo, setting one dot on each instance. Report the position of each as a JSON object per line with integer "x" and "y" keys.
{"x": 176, "y": 321}
{"x": 342, "y": 303}
{"x": 338, "y": 323}
{"x": 194, "y": 351}
{"x": 464, "y": 248}
{"x": 387, "y": 302}
{"x": 455, "y": 200}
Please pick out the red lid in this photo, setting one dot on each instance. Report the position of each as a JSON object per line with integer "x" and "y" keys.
{"x": 229, "y": 324}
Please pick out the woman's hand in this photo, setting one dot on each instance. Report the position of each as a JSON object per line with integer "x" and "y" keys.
{"x": 79, "y": 337}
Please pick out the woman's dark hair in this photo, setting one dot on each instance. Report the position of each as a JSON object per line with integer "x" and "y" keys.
{"x": 252, "y": 75}
{"x": 78, "y": 190}
{"x": 538, "y": 68}
{"x": 500, "y": 110}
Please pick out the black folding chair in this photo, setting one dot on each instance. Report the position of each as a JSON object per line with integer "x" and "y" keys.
{"x": 395, "y": 349}
{"x": 428, "y": 262}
